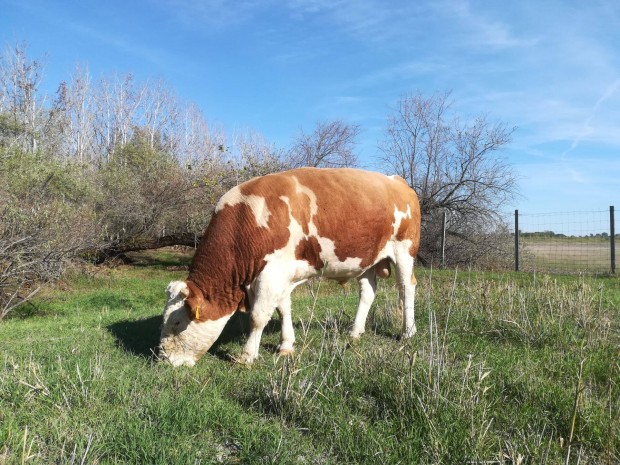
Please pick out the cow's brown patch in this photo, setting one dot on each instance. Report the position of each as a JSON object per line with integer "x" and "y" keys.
{"x": 195, "y": 303}
{"x": 309, "y": 250}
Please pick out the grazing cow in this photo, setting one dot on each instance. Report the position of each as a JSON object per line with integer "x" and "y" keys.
{"x": 274, "y": 232}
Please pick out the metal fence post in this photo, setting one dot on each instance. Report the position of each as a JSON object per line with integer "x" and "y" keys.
{"x": 443, "y": 240}
{"x": 516, "y": 240}
{"x": 612, "y": 236}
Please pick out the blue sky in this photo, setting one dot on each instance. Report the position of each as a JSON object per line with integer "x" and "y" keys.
{"x": 550, "y": 68}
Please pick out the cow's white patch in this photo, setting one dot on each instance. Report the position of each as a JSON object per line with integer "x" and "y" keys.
{"x": 398, "y": 218}
{"x": 256, "y": 203}
{"x": 187, "y": 346}
{"x": 334, "y": 267}
{"x": 300, "y": 188}
{"x": 176, "y": 289}
{"x": 272, "y": 289}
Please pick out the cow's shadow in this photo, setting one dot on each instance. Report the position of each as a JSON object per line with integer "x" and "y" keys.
{"x": 137, "y": 337}
{"x": 141, "y": 337}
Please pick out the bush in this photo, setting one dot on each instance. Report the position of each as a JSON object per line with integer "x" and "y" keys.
{"x": 45, "y": 222}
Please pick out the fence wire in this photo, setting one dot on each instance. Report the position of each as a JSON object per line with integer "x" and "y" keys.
{"x": 565, "y": 242}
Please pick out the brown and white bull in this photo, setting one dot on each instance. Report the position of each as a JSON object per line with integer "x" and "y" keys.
{"x": 274, "y": 232}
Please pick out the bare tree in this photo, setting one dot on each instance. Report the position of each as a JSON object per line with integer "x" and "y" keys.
{"x": 159, "y": 111}
{"x": 20, "y": 78}
{"x": 75, "y": 102}
{"x": 46, "y": 221}
{"x": 117, "y": 102}
{"x": 197, "y": 144}
{"x": 455, "y": 167}
{"x": 330, "y": 145}
{"x": 149, "y": 159}
{"x": 253, "y": 156}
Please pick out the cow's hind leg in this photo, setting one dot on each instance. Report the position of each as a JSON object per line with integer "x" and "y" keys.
{"x": 406, "y": 283}
{"x": 368, "y": 287}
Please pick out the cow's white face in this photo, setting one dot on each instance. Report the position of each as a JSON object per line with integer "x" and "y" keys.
{"x": 183, "y": 341}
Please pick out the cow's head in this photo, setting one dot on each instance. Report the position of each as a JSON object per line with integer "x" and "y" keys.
{"x": 187, "y": 332}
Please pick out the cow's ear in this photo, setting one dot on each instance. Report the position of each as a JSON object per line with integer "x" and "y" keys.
{"x": 194, "y": 308}
{"x": 185, "y": 292}
{"x": 195, "y": 302}
{"x": 176, "y": 289}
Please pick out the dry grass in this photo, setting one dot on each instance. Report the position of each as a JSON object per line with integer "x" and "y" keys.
{"x": 568, "y": 255}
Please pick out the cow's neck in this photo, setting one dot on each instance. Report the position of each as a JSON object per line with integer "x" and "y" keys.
{"x": 222, "y": 269}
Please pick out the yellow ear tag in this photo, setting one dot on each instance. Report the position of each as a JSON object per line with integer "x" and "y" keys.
{"x": 197, "y": 312}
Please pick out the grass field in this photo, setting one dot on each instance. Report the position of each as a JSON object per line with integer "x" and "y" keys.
{"x": 505, "y": 369}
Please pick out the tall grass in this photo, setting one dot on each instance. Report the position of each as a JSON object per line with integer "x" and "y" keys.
{"x": 506, "y": 369}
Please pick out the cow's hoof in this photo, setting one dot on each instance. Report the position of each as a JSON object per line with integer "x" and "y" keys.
{"x": 355, "y": 336}
{"x": 353, "y": 342}
{"x": 245, "y": 359}
{"x": 409, "y": 334}
{"x": 285, "y": 351}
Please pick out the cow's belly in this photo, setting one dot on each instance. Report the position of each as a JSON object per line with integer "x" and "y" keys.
{"x": 343, "y": 270}
{"x": 335, "y": 270}
{"x": 299, "y": 269}
{"x": 339, "y": 270}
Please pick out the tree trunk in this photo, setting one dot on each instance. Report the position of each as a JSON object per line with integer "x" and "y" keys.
{"x": 99, "y": 256}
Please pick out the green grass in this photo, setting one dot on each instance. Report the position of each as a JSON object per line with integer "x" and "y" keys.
{"x": 491, "y": 377}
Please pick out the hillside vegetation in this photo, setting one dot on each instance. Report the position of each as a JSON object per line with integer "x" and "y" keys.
{"x": 506, "y": 368}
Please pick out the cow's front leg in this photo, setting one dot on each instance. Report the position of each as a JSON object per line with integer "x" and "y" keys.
{"x": 287, "y": 338}
{"x": 259, "y": 317}
{"x": 271, "y": 286}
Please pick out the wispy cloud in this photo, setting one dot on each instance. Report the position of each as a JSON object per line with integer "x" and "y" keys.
{"x": 119, "y": 42}
{"x": 587, "y": 128}
{"x": 482, "y": 29}
{"x": 98, "y": 31}
{"x": 212, "y": 16}
{"x": 404, "y": 72}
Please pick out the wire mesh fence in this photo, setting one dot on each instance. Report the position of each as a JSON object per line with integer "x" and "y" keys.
{"x": 566, "y": 242}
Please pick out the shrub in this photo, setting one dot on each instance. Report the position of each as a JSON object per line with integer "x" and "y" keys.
{"x": 45, "y": 222}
